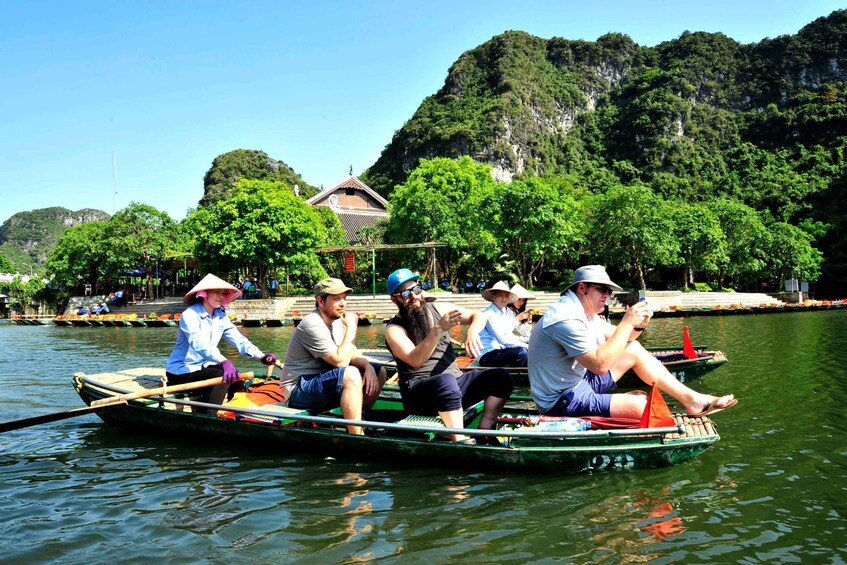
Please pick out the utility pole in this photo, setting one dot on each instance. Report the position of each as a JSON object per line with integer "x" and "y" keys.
{"x": 115, "y": 178}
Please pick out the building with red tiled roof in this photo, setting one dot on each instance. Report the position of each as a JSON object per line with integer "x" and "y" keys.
{"x": 357, "y": 206}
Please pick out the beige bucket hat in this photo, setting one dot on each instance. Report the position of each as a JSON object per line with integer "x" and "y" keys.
{"x": 211, "y": 282}
{"x": 592, "y": 274}
{"x": 488, "y": 293}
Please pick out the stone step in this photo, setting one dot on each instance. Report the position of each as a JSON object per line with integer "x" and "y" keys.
{"x": 382, "y": 307}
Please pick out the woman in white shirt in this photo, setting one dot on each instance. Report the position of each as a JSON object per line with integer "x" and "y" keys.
{"x": 501, "y": 347}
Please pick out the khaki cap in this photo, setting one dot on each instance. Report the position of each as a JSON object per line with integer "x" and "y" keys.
{"x": 331, "y": 286}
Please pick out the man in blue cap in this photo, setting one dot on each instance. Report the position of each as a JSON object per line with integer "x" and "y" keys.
{"x": 430, "y": 381}
{"x": 576, "y": 357}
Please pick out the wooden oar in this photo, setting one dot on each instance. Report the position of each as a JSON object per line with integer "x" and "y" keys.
{"x": 109, "y": 403}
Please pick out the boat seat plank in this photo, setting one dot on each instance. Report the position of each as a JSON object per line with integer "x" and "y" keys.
{"x": 423, "y": 421}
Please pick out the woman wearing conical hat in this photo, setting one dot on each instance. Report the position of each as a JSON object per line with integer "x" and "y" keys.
{"x": 501, "y": 347}
{"x": 195, "y": 356}
{"x": 518, "y": 308}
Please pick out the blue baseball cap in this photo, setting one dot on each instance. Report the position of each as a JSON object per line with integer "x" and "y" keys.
{"x": 399, "y": 277}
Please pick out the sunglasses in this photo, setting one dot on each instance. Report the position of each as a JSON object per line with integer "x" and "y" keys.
{"x": 405, "y": 294}
{"x": 602, "y": 288}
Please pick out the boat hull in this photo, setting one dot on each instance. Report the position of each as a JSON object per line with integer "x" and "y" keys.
{"x": 589, "y": 452}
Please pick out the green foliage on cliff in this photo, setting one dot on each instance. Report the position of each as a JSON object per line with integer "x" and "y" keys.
{"x": 27, "y": 238}
{"x": 248, "y": 164}
{"x": 697, "y": 118}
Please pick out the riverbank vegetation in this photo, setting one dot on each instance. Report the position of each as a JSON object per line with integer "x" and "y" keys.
{"x": 698, "y": 161}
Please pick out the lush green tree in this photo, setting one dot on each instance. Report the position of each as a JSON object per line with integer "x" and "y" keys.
{"x": 79, "y": 257}
{"x": 631, "y": 228}
{"x": 440, "y": 202}
{"x": 702, "y": 243}
{"x": 24, "y": 296}
{"x": 791, "y": 254}
{"x": 6, "y": 266}
{"x": 748, "y": 241}
{"x": 138, "y": 236}
{"x": 533, "y": 221}
{"x": 263, "y": 226}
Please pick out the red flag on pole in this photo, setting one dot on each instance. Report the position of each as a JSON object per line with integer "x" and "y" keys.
{"x": 687, "y": 347}
{"x": 656, "y": 413}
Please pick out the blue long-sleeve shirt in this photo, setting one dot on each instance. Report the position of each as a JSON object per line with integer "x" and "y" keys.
{"x": 197, "y": 341}
{"x": 499, "y": 330}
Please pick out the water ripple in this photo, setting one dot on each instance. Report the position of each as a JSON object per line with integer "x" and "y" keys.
{"x": 773, "y": 489}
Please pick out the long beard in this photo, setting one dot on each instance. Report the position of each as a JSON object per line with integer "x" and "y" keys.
{"x": 417, "y": 321}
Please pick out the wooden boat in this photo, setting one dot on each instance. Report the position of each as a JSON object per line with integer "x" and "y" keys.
{"x": 61, "y": 321}
{"x": 252, "y": 322}
{"x": 366, "y": 318}
{"x": 160, "y": 323}
{"x": 81, "y": 322}
{"x": 34, "y": 321}
{"x": 682, "y": 368}
{"x": 138, "y": 323}
{"x": 275, "y": 322}
{"x": 395, "y": 436}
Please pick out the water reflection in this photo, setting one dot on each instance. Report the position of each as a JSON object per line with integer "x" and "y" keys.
{"x": 770, "y": 490}
{"x": 661, "y": 520}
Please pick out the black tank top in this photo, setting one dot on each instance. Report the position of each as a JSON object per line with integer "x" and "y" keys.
{"x": 442, "y": 360}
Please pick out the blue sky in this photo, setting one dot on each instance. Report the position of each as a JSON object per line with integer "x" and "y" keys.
{"x": 166, "y": 87}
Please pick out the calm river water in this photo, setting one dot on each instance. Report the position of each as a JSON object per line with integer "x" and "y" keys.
{"x": 774, "y": 489}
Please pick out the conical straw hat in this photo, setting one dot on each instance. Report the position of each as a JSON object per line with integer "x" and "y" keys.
{"x": 488, "y": 293}
{"x": 521, "y": 292}
{"x": 211, "y": 282}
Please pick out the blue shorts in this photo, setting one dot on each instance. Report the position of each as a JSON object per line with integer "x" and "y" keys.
{"x": 322, "y": 391}
{"x": 588, "y": 398}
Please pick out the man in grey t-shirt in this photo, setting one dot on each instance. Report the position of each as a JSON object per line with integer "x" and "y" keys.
{"x": 323, "y": 369}
{"x": 576, "y": 357}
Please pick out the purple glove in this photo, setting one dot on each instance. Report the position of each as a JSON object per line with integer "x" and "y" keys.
{"x": 230, "y": 372}
{"x": 269, "y": 359}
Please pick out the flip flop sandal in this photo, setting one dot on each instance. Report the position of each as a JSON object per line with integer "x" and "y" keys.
{"x": 713, "y": 408}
